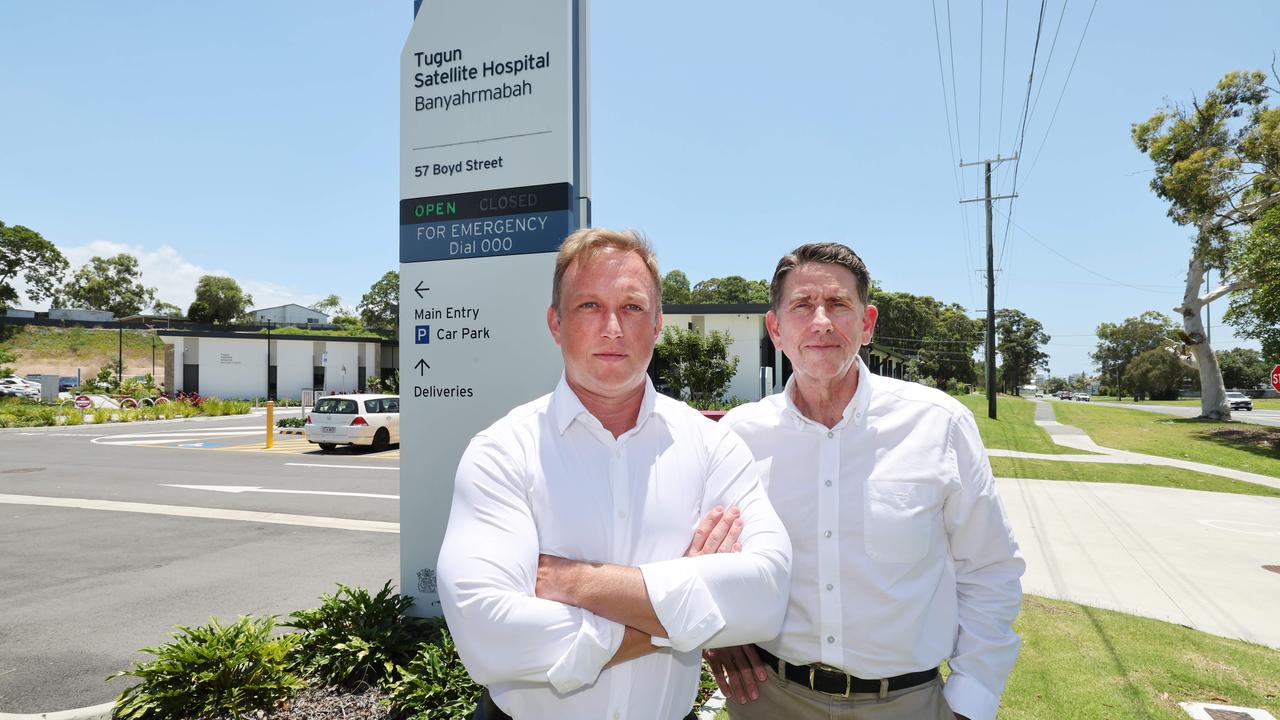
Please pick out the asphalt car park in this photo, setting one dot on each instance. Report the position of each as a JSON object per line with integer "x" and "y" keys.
{"x": 113, "y": 534}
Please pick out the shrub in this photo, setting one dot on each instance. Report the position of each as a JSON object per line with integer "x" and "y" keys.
{"x": 215, "y": 407}
{"x": 211, "y": 671}
{"x": 355, "y": 639}
{"x": 290, "y": 422}
{"x": 72, "y": 416}
{"x": 435, "y": 685}
{"x": 101, "y": 415}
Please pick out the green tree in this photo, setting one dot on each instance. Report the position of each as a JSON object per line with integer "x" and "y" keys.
{"x": 222, "y": 300}
{"x": 24, "y": 252}
{"x": 1020, "y": 338}
{"x": 1255, "y": 308}
{"x": 1155, "y": 374}
{"x": 113, "y": 284}
{"x": 675, "y": 288}
{"x": 700, "y": 363}
{"x": 1243, "y": 367}
{"x": 331, "y": 305}
{"x": 941, "y": 338}
{"x": 1217, "y": 163}
{"x": 379, "y": 308}
{"x": 730, "y": 290}
{"x": 199, "y": 312}
{"x": 1119, "y": 344}
{"x": 165, "y": 309}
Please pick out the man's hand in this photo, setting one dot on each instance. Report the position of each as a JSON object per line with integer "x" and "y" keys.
{"x": 717, "y": 533}
{"x": 737, "y": 670}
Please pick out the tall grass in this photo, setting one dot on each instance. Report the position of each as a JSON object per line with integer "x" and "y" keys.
{"x": 215, "y": 407}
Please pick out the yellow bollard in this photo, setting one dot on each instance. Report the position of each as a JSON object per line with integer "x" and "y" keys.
{"x": 271, "y": 424}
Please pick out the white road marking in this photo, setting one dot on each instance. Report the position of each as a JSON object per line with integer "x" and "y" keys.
{"x": 206, "y": 513}
{"x": 237, "y": 489}
{"x": 1243, "y": 527}
{"x": 352, "y": 467}
{"x": 165, "y": 437}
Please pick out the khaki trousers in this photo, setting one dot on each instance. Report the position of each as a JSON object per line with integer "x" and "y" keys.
{"x": 782, "y": 699}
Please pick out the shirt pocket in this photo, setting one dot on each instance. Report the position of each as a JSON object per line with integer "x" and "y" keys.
{"x": 899, "y": 521}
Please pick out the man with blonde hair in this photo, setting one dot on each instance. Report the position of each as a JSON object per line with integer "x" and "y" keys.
{"x": 575, "y": 573}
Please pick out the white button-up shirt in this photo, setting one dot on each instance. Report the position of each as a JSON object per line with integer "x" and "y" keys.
{"x": 903, "y": 554}
{"x": 549, "y": 478}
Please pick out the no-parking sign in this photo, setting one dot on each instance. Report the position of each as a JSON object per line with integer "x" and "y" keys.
{"x": 83, "y": 402}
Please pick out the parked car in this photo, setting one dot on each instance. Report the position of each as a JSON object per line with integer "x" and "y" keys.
{"x": 372, "y": 420}
{"x": 17, "y": 387}
{"x": 1064, "y": 394}
{"x": 1039, "y": 393}
{"x": 1240, "y": 401}
{"x": 1081, "y": 396}
{"x": 66, "y": 382}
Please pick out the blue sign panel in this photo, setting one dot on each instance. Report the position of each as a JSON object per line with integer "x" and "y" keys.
{"x": 421, "y": 334}
{"x": 486, "y": 236}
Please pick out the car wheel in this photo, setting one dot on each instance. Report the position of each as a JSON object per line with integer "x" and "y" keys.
{"x": 381, "y": 440}
{"x": 326, "y": 447}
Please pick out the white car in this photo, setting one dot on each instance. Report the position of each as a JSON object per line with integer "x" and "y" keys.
{"x": 1240, "y": 401}
{"x": 17, "y": 387}
{"x": 372, "y": 420}
{"x": 1081, "y": 396}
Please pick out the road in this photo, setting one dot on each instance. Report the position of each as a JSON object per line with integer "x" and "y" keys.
{"x": 100, "y": 553}
{"x": 1257, "y": 417}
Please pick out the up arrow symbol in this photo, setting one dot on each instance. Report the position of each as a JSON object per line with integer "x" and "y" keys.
{"x": 422, "y": 365}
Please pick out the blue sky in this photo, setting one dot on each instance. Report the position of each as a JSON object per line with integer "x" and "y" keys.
{"x": 261, "y": 140}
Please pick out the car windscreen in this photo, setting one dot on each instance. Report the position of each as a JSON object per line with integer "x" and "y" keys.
{"x": 336, "y": 406}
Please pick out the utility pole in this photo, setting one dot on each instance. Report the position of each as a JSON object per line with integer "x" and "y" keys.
{"x": 991, "y": 282}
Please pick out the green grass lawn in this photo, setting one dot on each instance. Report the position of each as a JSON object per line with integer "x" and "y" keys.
{"x": 1252, "y": 448}
{"x": 1134, "y": 474}
{"x": 1084, "y": 663}
{"x": 1015, "y": 428}
{"x": 77, "y": 342}
{"x": 1258, "y": 403}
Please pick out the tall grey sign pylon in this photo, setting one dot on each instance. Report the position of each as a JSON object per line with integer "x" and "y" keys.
{"x": 493, "y": 175}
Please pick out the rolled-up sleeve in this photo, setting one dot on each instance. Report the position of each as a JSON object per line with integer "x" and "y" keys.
{"x": 487, "y": 576}
{"x": 727, "y": 599}
{"x": 989, "y": 568}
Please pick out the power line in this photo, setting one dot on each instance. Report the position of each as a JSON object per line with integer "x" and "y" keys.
{"x": 951, "y": 148}
{"x": 955, "y": 98}
{"x": 1073, "y": 262}
{"x": 1004, "y": 55}
{"x": 1044, "y": 72}
{"x": 1058, "y": 104}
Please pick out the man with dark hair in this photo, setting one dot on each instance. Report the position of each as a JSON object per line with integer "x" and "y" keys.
{"x": 574, "y": 573}
{"x": 903, "y": 556}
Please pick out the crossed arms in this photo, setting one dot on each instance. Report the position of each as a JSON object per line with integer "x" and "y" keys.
{"x": 518, "y": 616}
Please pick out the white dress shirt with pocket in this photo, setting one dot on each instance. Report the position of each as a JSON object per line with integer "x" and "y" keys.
{"x": 549, "y": 478}
{"x": 903, "y": 555}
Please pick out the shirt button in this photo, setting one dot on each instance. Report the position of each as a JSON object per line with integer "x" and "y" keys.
{"x": 830, "y": 586}
{"x": 622, "y": 514}
{"x": 830, "y": 434}
{"x": 831, "y": 639}
{"x": 826, "y": 534}
{"x": 828, "y": 483}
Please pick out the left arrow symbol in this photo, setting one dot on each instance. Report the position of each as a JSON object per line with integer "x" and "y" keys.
{"x": 419, "y": 289}
{"x": 421, "y": 365}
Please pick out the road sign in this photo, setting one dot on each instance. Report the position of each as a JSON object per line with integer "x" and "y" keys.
{"x": 493, "y": 176}
{"x": 83, "y": 402}
{"x": 1275, "y": 378}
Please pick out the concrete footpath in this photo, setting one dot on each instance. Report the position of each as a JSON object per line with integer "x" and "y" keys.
{"x": 1185, "y": 556}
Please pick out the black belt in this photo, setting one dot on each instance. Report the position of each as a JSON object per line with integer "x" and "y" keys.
{"x": 834, "y": 682}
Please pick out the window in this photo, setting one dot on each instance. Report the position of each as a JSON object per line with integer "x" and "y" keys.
{"x": 336, "y": 406}
{"x": 373, "y": 406}
{"x": 391, "y": 405}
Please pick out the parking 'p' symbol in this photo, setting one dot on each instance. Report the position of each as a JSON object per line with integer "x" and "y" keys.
{"x": 422, "y": 335}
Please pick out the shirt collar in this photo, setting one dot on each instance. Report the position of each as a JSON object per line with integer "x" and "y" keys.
{"x": 855, "y": 410}
{"x": 567, "y": 407}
